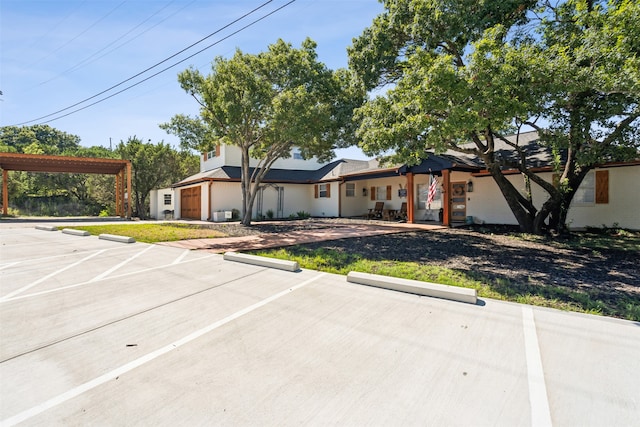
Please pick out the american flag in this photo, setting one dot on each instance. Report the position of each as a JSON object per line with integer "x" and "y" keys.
{"x": 432, "y": 190}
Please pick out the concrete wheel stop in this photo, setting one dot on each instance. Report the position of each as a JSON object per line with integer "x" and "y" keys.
{"x": 279, "y": 264}
{"x": 47, "y": 227}
{"x": 115, "y": 238}
{"x": 75, "y": 232}
{"x": 436, "y": 290}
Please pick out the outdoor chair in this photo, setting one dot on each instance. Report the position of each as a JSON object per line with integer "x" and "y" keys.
{"x": 402, "y": 213}
{"x": 376, "y": 212}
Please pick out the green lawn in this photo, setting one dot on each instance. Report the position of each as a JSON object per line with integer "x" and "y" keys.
{"x": 153, "y": 233}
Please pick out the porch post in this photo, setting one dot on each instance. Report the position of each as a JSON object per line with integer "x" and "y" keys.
{"x": 445, "y": 197}
{"x": 5, "y": 192}
{"x": 410, "y": 193}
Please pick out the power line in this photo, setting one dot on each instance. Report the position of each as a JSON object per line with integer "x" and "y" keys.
{"x": 165, "y": 69}
{"x": 94, "y": 57}
{"x": 81, "y": 32}
{"x": 152, "y": 67}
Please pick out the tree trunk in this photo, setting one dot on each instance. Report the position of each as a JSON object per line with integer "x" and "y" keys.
{"x": 514, "y": 199}
{"x": 245, "y": 184}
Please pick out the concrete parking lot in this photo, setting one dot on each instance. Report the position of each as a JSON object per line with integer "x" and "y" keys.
{"x": 105, "y": 333}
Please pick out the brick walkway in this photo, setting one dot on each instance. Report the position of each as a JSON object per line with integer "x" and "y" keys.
{"x": 264, "y": 241}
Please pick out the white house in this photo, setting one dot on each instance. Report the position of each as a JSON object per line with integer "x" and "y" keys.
{"x": 609, "y": 195}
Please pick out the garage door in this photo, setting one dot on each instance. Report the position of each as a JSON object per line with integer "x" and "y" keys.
{"x": 190, "y": 203}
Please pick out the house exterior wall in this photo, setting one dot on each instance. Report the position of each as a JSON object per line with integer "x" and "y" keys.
{"x": 296, "y": 199}
{"x": 354, "y": 205}
{"x": 486, "y": 203}
{"x": 623, "y": 207}
{"x": 231, "y": 155}
{"x": 215, "y": 162}
{"x": 157, "y": 207}
{"x": 324, "y": 206}
{"x": 226, "y": 196}
{"x": 293, "y": 164}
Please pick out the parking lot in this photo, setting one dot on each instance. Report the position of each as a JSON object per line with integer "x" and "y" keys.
{"x": 106, "y": 333}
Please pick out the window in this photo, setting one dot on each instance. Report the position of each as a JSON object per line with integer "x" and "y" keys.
{"x": 167, "y": 199}
{"x": 586, "y": 193}
{"x": 350, "y": 189}
{"x": 594, "y": 189}
{"x": 381, "y": 193}
{"x": 212, "y": 154}
{"x": 297, "y": 155}
{"x": 423, "y": 195}
{"x": 322, "y": 190}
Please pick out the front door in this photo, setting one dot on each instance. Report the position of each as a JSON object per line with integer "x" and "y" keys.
{"x": 458, "y": 201}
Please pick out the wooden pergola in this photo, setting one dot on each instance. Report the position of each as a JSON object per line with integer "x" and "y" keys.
{"x": 63, "y": 164}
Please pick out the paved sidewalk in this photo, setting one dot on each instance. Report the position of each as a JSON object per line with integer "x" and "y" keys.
{"x": 273, "y": 240}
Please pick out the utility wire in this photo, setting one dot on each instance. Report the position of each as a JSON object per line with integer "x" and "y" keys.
{"x": 55, "y": 27}
{"x": 82, "y": 32}
{"x": 167, "y": 68}
{"x": 152, "y": 67}
{"x": 88, "y": 60}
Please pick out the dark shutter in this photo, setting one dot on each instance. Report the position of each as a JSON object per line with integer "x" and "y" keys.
{"x": 602, "y": 186}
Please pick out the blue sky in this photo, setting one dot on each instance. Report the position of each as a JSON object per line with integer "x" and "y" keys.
{"x": 56, "y": 53}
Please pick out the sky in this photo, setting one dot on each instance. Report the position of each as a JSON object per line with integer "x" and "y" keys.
{"x": 55, "y": 54}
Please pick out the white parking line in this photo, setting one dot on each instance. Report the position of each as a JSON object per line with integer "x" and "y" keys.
{"x": 76, "y": 391}
{"x": 123, "y": 263}
{"x": 50, "y": 257}
{"x": 538, "y": 399}
{"x": 11, "y": 264}
{"x": 75, "y": 285}
{"x": 48, "y": 276}
{"x": 181, "y": 257}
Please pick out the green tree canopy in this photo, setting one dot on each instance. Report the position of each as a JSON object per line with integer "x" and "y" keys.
{"x": 465, "y": 73}
{"x": 153, "y": 166}
{"x": 266, "y": 104}
{"x": 37, "y": 139}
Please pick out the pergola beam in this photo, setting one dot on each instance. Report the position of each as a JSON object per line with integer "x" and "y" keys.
{"x": 65, "y": 164}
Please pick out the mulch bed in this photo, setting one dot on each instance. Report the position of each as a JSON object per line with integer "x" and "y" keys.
{"x": 493, "y": 253}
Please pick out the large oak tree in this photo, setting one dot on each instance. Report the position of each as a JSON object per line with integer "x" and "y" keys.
{"x": 462, "y": 74}
{"x": 266, "y": 104}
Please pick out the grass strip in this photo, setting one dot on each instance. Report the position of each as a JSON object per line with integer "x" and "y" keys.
{"x": 154, "y": 233}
